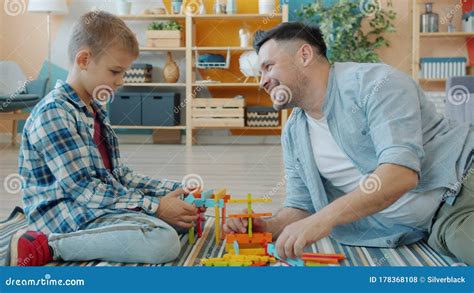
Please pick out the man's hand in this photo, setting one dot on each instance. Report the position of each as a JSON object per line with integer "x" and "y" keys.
{"x": 296, "y": 236}
{"x": 175, "y": 211}
{"x": 237, "y": 225}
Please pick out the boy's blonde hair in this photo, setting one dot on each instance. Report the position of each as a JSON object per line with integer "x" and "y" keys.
{"x": 99, "y": 30}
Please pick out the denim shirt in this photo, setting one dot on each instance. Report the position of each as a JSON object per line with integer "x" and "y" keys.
{"x": 376, "y": 115}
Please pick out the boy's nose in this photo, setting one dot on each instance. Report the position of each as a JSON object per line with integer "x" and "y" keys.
{"x": 119, "y": 81}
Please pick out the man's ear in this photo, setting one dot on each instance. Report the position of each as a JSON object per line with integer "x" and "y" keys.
{"x": 306, "y": 54}
{"x": 83, "y": 59}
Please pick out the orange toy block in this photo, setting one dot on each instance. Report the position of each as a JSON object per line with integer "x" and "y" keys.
{"x": 321, "y": 260}
{"x": 260, "y": 238}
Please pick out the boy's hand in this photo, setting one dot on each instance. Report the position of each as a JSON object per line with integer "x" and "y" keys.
{"x": 175, "y": 211}
{"x": 236, "y": 225}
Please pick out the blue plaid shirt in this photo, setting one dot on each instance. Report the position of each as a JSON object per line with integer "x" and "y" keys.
{"x": 66, "y": 184}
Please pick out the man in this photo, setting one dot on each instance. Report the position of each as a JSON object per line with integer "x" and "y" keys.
{"x": 367, "y": 159}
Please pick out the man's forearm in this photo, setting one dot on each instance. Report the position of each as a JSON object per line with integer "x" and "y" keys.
{"x": 283, "y": 218}
{"x": 391, "y": 183}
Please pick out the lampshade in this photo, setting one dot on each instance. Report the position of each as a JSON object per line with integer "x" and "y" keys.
{"x": 46, "y": 6}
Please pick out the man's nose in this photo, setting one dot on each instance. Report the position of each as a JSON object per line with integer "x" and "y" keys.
{"x": 264, "y": 81}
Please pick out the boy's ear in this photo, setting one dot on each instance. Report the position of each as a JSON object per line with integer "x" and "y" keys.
{"x": 83, "y": 59}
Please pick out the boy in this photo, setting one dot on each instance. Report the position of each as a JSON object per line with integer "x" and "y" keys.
{"x": 80, "y": 199}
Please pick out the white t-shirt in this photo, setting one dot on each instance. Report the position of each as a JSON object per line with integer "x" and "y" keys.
{"x": 334, "y": 165}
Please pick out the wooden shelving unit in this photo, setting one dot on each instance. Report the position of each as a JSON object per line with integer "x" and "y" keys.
{"x": 241, "y": 16}
{"x": 226, "y": 84}
{"x": 189, "y": 23}
{"x": 223, "y": 48}
{"x": 240, "y": 128}
{"x": 145, "y": 49}
{"x": 150, "y": 84}
{"x": 179, "y": 127}
{"x": 419, "y": 37}
{"x": 153, "y": 17}
{"x": 446, "y": 35}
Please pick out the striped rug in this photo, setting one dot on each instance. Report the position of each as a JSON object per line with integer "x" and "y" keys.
{"x": 419, "y": 254}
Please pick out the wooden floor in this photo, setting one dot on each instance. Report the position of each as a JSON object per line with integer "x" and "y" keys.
{"x": 240, "y": 169}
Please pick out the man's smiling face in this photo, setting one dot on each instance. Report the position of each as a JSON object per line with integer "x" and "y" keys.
{"x": 279, "y": 73}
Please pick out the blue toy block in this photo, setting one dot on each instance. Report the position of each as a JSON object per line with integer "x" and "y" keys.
{"x": 296, "y": 262}
{"x": 236, "y": 247}
{"x": 190, "y": 199}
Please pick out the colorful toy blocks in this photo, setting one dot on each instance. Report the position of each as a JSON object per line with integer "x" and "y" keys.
{"x": 238, "y": 260}
{"x": 208, "y": 199}
{"x": 271, "y": 250}
{"x": 256, "y": 238}
{"x": 307, "y": 259}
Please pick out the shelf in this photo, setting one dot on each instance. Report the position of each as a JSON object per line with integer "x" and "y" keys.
{"x": 151, "y": 17}
{"x": 223, "y": 48}
{"x": 148, "y": 127}
{"x": 255, "y": 16}
{"x": 156, "y": 84}
{"x": 238, "y": 128}
{"x": 433, "y": 80}
{"x": 446, "y": 34}
{"x": 151, "y": 49}
{"x": 222, "y": 84}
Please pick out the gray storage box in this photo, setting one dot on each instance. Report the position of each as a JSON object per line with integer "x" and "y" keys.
{"x": 126, "y": 109}
{"x": 160, "y": 109}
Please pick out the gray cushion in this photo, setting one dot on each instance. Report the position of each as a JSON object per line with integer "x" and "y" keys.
{"x": 13, "y": 103}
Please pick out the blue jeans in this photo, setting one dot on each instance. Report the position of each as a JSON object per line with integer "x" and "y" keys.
{"x": 129, "y": 237}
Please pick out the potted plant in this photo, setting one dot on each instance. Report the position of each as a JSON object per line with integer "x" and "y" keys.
{"x": 341, "y": 25}
{"x": 164, "y": 34}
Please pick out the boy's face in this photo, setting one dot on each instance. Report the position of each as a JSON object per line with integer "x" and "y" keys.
{"x": 107, "y": 71}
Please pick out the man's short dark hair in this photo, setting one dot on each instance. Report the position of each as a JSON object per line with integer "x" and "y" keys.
{"x": 288, "y": 31}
